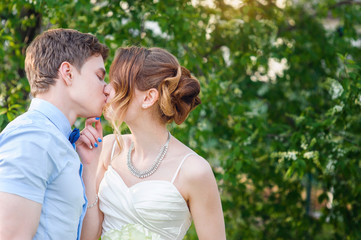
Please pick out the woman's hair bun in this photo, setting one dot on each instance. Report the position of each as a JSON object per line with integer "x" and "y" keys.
{"x": 176, "y": 102}
{"x": 185, "y": 97}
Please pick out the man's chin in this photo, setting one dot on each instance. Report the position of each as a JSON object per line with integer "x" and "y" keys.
{"x": 92, "y": 114}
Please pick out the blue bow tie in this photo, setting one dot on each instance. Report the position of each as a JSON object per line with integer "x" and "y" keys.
{"x": 74, "y": 136}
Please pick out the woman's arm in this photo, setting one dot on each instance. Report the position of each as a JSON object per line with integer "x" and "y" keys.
{"x": 203, "y": 199}
{"x": 92, "y": 224}
{"x": 93, "y": 161}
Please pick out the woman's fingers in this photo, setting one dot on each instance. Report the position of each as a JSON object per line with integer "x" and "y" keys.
{"x": 92, "y": 136}
{"x": 88, "y": 138}
{"x": 84, "y": 140}
{"x": 98, "y": 130}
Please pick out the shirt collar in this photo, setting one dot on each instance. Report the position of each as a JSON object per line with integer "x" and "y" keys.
{"x": 52, "y": 113}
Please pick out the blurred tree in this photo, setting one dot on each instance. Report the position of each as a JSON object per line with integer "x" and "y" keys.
{"x": 280, "y": 117}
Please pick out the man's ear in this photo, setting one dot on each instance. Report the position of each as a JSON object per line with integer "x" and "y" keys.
{"x": 66, "y": 73}
{"x": 151, "y": 96}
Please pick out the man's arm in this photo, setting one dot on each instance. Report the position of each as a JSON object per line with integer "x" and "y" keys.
{"x": 19, "y": 217}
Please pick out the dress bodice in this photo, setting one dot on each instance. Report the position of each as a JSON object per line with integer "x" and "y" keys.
{"x": 155, "y": 204}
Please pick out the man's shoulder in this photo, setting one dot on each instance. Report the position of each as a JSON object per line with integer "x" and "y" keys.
{"x": 29, "y": 121}
{"x": 29, "y": 127}
{"x": 33, "y": 136}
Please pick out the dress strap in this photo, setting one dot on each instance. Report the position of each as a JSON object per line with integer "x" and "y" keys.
{"x": 180, "y": 165}
{"x": 113, "y": 150}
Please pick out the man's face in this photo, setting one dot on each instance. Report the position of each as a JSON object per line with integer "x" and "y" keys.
{"x": 89, "y": 93}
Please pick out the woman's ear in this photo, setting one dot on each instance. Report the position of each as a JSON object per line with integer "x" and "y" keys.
{"x": 150, "y": 98}
{"x": 65, "y": 73}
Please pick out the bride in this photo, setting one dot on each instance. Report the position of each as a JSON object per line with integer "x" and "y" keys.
{"x": 148, "y": 183}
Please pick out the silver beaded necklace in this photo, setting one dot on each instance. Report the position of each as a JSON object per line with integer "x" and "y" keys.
{"x": 151, "y": 169}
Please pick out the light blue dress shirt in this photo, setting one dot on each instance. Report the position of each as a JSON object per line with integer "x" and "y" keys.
{"x": 38, "y": 162}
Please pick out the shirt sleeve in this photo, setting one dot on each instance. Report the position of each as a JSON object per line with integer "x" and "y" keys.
{"x": 25, "y": 164}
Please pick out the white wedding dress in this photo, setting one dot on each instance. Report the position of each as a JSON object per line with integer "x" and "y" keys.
{"x": 157, "y": 205}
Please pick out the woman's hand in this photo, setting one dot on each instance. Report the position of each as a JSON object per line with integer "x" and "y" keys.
{"x": 89, "y": 147}
{"x": 89, "y": 144}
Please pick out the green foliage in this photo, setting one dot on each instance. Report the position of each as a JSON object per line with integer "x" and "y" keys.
{"x": 285, "y": 146}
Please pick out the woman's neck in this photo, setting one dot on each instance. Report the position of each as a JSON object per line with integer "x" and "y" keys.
{"x": 148, "y": 140}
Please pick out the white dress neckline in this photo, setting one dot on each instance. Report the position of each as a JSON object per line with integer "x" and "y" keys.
{"x": 145, "y": 182}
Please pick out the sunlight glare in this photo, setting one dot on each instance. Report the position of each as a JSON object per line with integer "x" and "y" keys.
{"x": 234, "y": 3}
{"x": 281, "y": 3}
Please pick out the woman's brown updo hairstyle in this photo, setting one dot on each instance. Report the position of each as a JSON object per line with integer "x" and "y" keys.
{"x": 142, "y": 68}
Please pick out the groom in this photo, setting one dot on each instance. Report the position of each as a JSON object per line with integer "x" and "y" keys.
{"x": 41, "y": 189}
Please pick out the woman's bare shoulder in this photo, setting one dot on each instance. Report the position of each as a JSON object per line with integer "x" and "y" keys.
{"x": 194, "y": 166}
{"x": 199, "y": 181}
{"x": 197, "y": 167}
